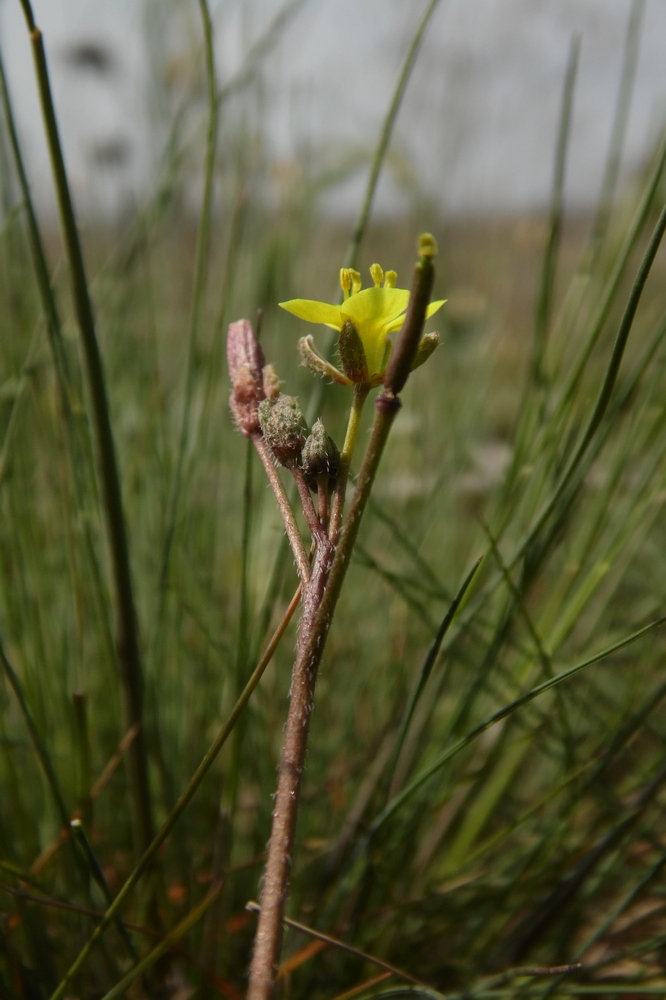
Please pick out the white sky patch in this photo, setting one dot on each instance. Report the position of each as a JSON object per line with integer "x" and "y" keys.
{"x": 476, "y": 131}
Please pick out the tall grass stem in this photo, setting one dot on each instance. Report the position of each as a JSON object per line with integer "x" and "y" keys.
{"x": 127, "y": 641}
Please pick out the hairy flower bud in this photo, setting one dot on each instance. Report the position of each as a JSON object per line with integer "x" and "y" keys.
{"x": 428, "y": 343}
{"x": 246, "y": 361}
{"x": 271, "y": 382}
{"x": 352, "y": 353}
{"x": 243, "y": 348}
{"x": 283, "y": 427}
{"x": 320, "y": 456}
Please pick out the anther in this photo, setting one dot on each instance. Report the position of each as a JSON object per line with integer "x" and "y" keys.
{"x": 390, "y": 279}
{"x": 377, "y": 274}
{"x": 357, "y": 284}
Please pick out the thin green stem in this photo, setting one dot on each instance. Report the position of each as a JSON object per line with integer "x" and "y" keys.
{"x": 544, "y": 303}
{"x": 243, "y": 647}
{"x": 422, "y": 679}
{"x": 42, "y": 753}
{"x": 184, "y": 800}
{"x": 81, "y": 859}
{"x": 127, "y": 643}
{"x": 359, "y": 397}
{"x": 620, "y": 121}
{"x": 496, "y": 717}
{"x": 81, "y": 837}
{"x": 607, "y": 298}
{"x": 342, "y": 945}
{"x": 260, "y": 49}
{"x": 165, "y": 945}
{"x": 385, "y": 136}
{"x": 47, "y": 295}
{"x": 608, "y": 384}
{"x": 200, "y": 266}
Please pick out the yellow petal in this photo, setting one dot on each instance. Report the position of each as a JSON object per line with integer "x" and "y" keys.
{"x": 375, "y": 305}
{"x": 371, "y": 311}
{"x": 433, "y": 307}
{"x": 396, "y": 323}
{"x": 315, "y": 312}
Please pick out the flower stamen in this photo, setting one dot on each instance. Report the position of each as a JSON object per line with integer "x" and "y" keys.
{"x": 377, "y": 274}
{"x": 366, "y": 319}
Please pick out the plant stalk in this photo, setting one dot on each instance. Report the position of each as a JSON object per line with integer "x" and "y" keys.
{"x": 361, "y": 391}
{"x": 320, "y": 597}
{"x": 126, "y": 632}
{"x": 186, "y": 796}
{"x": 293, "y": 534}
{"x": 319, "y": 601}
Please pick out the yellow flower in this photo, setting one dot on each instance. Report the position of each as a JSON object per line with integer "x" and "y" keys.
{"x": 374, "y": 313}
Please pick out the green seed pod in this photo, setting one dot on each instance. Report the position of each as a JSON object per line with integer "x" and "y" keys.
{"x": 283, "y": 427}
{"x": 320, "y": 456}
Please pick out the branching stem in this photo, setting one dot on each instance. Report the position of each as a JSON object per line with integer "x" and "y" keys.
{"x": 293, "y": 534}
{"x": 314, "y": 524}
{"x": 320, "y": 597}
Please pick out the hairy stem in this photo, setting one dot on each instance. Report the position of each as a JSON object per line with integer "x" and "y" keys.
{"x": 319, "y": 601}
{"x": 184, "y": 800}
{"x": 320, "y": 597}
{"x": 322, "y": 499}
{"x": 293, "y": 534}
{"x": 311, "y": 516}
{"x": 268, "y": 940}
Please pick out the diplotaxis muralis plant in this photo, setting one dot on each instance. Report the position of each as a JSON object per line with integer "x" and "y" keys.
{"x": 366, "y": 321}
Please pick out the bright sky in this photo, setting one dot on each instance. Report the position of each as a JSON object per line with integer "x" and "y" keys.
{"x": 476, "y": 131}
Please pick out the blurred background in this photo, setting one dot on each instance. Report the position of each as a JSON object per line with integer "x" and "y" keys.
{"x": 475, "y": 134}
{"x": 456, "y": 848}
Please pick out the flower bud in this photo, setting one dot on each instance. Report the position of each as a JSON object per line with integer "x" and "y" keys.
{"x": 352, "y": 354}
{"x": 427, "y": 344}
{"x": 427, "y": 245}
{"x": 320, "y": 456}
{"x": 310, "y": 359}
{"x": 406, "y": 348}
{"x": 283, "y": 427}
{"x": 245, "y": 359}
{"x": 243, "y": 348}
{"x": 271, "y": 382}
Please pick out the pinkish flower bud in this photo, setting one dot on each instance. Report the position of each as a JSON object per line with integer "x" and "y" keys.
{"x": 243, "y": 348}
{"x": 246, "y": 361}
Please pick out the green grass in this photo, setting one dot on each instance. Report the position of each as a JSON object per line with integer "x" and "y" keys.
{"x": 463, "y": 851}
